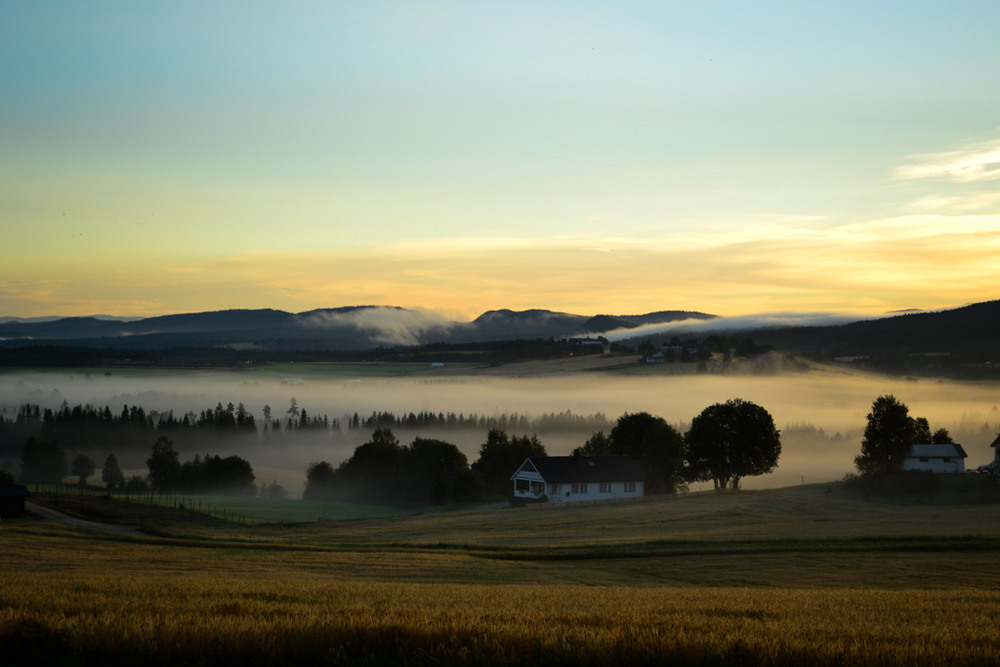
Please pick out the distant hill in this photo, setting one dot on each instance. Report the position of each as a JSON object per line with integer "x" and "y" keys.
{"x": 973, "y": 328}
{"x": 503, "y": 324}
{"x": 963, "y": 342}
{"x": 346, "y": 328}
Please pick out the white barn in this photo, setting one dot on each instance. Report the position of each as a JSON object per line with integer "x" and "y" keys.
{"x": 575, "y": 478}
{"x": 936, "y": 458}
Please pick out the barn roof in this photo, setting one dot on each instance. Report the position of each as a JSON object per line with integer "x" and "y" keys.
{"x": 596, "y": 469}
{"x": 14, "y": 491}
{"x": 949, "y": 451}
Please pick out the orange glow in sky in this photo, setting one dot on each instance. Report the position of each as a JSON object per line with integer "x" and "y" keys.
{"x": 732, "y": 158}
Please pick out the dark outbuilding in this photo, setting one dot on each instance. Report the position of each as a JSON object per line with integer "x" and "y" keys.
{"x": 12, "y": 500}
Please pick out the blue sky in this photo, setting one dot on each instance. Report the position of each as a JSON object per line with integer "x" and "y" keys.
{"x": 731, "y": 157}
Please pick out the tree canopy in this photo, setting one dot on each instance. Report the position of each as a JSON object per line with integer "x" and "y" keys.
{"x": 656, "y": 446}
{"x": 888, "y": 436}
{"x": 231, "y": 475}
{"x": 383, "y": 472}
{"x": 732, "y": 440}
{"x": 83, "y": 467}
{"x": 164, "y": 466}
{"x": 499, "y": 457}
{"x": 111, "y": 473}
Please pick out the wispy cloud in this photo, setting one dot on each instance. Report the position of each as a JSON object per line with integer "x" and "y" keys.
{"x": 387, "y": 325}
{"x": 973, "y": 162}
{"x": 980, "y": 201}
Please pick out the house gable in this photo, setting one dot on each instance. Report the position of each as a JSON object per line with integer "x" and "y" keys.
{"x": 526, "y": 468}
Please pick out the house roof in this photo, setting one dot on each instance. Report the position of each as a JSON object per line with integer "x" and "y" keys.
{"x": 14, "y": 492}
{"x": 950, "y": 451}
{"x": 596, "y": 469}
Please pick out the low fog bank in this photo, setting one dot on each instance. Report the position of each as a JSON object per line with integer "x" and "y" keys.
{"x": 821, "y": 413}
{"x": 722, "y": 325}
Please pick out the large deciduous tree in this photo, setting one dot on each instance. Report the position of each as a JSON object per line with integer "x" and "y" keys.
{"x": 165, "y": 471}
{"x": 372, "y": 473}
{"x": 111, "y": 473}
{"x": 656, "y": 446}
{"x": 83, "y": 467}
{"x": 888, "y": 436}
{"x": 43, "y": 461}
{"x": 732, "y": 440}
{"x": 438, "y": 472}
{"x": 320, "y": 477}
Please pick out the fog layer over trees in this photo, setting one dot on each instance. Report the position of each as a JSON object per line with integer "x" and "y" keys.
{"x": 821, "y": 415}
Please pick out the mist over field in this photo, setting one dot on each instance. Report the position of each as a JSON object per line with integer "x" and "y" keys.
{"x": 821, "y": 413}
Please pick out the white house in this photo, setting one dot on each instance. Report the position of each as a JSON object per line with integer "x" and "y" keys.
{"x": 936, "y": 458}
{"x": 572, "y": 478}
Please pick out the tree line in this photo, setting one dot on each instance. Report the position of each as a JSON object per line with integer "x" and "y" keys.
{"x": 725, "y": 443}
{"x": 90, "y": 428}
{"x": 44, "y": 461}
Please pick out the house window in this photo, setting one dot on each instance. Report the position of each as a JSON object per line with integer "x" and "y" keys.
{"x": 553, "y": 489}
{"x": 947, "y": 460}
{"x": 605, "y": 487}
{"x": 538, "y": 488}
{"x": 579, "y": 488}
{"x": 629, "y": 487}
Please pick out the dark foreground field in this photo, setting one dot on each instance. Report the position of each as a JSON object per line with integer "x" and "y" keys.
{"x": 812, "y": 575}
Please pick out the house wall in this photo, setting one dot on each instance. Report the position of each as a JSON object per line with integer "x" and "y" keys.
{"x": 567, "y": 493}
{"x": 935, "y": 464}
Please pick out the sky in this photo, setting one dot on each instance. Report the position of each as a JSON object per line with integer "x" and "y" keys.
{"x": 730, "y": 157}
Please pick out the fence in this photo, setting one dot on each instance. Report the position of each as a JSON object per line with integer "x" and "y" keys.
{"x": 189, "y": 503}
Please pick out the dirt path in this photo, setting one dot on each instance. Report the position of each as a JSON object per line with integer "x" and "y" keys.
{"x": 58, "y": 517}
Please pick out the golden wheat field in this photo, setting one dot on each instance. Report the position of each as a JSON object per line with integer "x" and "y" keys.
{"x": 749, "y": 578}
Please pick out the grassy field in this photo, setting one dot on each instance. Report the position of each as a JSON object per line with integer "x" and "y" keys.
{"x": 139, "y": 509}
{"x": 810, "y": 575}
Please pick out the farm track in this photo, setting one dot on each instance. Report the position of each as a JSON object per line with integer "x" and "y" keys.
{"x": 49, "y": 514}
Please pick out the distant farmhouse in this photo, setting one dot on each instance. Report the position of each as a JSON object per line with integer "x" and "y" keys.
{"x": 575, "y": 478}
{"x": 936, "y": 458}
{"x": 12, "y": 500}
